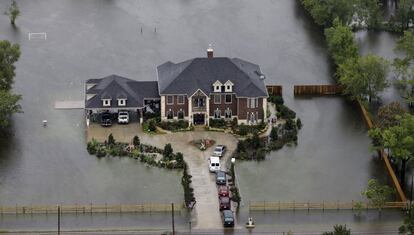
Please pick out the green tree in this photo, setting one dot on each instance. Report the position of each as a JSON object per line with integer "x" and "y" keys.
{"x": 387, "y": 115}
{"x": 111, "y": 140}
{"x": 339, "y": 230}
{"x": 13, "y": 12}
{"x": 368, "y": 12}
{"x": 341, "y": 42}
{"x": 377, "y": 193}
{"x": 8, "y": 106}
{"x": 408, "y": 226}
{"x": 324, "y": 12}
{"x": 136, "y": 142}
{"x": 273, "y": 134}
{"x": 400, "y": 140}
{"x": 404, "y": 14}
{"x": 168, "y": 151}
{"x": 364, "y": 77}
{"x": 9, "y": 54}
{"x": 406, "y": 45}
{"x": 404, "y": 73}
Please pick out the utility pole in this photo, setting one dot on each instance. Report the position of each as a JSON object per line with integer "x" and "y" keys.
{"x": 172, "y": 214}
{"x": 58, "y": 219}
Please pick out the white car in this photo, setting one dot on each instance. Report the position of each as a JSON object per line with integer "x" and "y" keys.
{"x": 214, "y": 164}
{"x": 123, "y": 117}
{"x": 219, "y": 150}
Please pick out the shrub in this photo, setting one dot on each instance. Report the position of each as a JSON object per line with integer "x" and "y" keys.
{"x": 111, "y": 140}
{"x": 255, "y": 141}
{"x": 136, "y": 141}
{"x": 284, "y": 112}
{"x": 273, "y": 134}
{"x": 299, "y": 124}
{"x": 217, "y": 123}
{"x": 100, "y": 152}
{"x": 261, "y": 154}
{"x": 235, "y": 195}
{"x": 241, "y": 146}
{"x": 278, "y": 100}
{"x": 243, "y": 130}
{"x": 152, "y": 125}
{"x": 168, "y": 152}
{"x": 92, "y": 146}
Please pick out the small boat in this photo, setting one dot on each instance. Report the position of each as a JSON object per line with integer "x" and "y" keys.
{"x": 250, "y": 224}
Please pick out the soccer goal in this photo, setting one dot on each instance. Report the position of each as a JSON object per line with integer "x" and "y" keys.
{"x": 37, "y": 36}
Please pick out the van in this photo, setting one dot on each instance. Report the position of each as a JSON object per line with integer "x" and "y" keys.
{"x": 214, "y": 164}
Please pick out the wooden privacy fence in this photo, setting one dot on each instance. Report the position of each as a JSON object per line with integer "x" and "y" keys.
{"x": 90, "y": 208}
{"x": 277, "y": 206}
{"x": 274, "y": 90}
{"x": 317, "y": 89}
{"x": 384, "y": 156}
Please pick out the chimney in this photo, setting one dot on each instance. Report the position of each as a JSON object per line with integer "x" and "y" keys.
{"x": 210, "y": 51}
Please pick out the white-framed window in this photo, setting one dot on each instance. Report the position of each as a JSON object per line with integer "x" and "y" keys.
{"x": 217, "y": 99}
{"x": 228, "y": 99}
{"x": 170, "y": 99}
{"x": 217, "y": 86}
{"x": 252, "y": 117}
{"x": 227, "y": 113}
{"x": 253, "y": 103}
{"x": 170, "y": 114}
{"x": 121, "y": 102}
{"x": 180, "y": 114}
{"x": 106, "y": 102}
{"x": 217, "y": 113}
{"x": 180, "y": 99}
{"x": 228, "y": 86}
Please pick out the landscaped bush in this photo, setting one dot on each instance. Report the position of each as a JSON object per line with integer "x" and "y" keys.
{"x": 284, "y": 112}
{"x": 92, "y": 146}
{"x": 152, "y": 116}
{"x": 217, "y": 123}
{"x": 243, "y": 130}
{"x": 174, "y": 125}
{"x": 276, "y": 99}
{"x": 186, "y": 183}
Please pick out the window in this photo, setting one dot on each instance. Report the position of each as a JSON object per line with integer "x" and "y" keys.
{"x": 170, "y": 114}
{"x": 170, "y": 99}
{"x": 228, "y": 99}
{"x": 227, "y": 113}
{"x": 180, "y": 114}
{"x": 180, "y": 99}
{"x": 198, "y": 102}
{"x": 228, "y": 86}
{"x": 217, "y": 99}
{"x": 252, "y": 118}
{"x": 253, "y": 103}
{"x": 217, "y": 113}
{"x": 121, "y": 102}
{"x": 106, "y": 102}
{"x": 217, "y": 86}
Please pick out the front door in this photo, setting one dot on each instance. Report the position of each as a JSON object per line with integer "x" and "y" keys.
{"x": 199, "y": 118}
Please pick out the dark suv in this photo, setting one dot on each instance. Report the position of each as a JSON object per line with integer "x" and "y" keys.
{"x": 220, "y": 178}
{"x": 228, "y": 219}
{"x": 106, "y": 119}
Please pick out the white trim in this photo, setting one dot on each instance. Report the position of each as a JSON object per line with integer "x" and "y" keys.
{"x": 106, "y": 102}
{"x": 178, "y": 99}
{"x": 172, "y": 100}
{"x": 122, "y": 102}
{"x": 196, "y": 92}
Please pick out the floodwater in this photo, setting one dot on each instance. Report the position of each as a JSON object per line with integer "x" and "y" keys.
{"x": 89, "y": 39}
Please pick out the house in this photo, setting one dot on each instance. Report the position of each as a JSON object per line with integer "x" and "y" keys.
{"x": 115, "y": 93}
{"x": 195, "y": 90}
{"x": 212, "y": 87}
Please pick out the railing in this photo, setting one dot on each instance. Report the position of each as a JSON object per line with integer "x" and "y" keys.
{"x": 277, "y": 206}
{"x": 317, "y": 90}
{"x": 90, "y": 208}
{"x": 199, "y": 109}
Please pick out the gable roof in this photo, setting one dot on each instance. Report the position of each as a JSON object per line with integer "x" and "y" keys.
{"x": 116, "y": 87}
{"x": 200, "y": 73}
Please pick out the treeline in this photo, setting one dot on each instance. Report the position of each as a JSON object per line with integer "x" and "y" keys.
{"x": 361, "y": 13}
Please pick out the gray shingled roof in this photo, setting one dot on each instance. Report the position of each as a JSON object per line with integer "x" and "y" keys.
{"x": 116, "y": 87}
{"x": 200, "y": 73}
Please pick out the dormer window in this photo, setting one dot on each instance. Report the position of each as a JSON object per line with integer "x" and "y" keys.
{"x": 217, "y": 86}
{"x": 121, "y": 102}
{"x": 106, "y": 102}
{"x": 228, "y": 86}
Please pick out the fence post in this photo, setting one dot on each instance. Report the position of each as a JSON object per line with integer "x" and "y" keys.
{"x": 76, "y": 209}
{"x": 308, "y": 205}
{"x": 16, "y": 209}
{"x": 106, "y": 208}
{"x": 264, "y": 206}
{"x": 323, "y": 205}
{"x": 120, "y": 208}
{"x": 352, "y": 204}
{"x": 279, "y": 205}
{"x": 91, "y": 208}
{"x": 337, "y": 205}
{"x": 293, "y": 205}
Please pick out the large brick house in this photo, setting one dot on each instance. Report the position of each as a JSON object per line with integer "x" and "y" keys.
{"x": 194, "y": 90}
{"x": 212, "y": 87}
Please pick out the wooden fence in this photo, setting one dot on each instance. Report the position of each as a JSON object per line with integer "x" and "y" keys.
{"x": 384, "y": 156}
{"x": 317, "y": 90}
{"x": 274, "y": 90}
{"x": 278, "y": 206}
{"x": 89, "y": 208}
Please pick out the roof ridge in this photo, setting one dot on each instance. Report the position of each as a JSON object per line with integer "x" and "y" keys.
{"x": 250, "y": 78}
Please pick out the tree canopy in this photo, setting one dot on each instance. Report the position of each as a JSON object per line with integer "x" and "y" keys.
{"x": 388, "y": 115}
{"x": 339, "y": 230}
{"x": 9, "y": 54}
{"x": 8, "y": 106}
{"x": 13, "y": 12}
{"x": 364, "y": 77}
{"x": 377, "y": 193}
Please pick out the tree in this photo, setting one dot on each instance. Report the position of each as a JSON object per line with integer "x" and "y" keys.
{"x": 168, "y": 151}
{"x": 273, "y": 134}
{"x": 9, "y": 54}
{"x": 377, "y": 193}
{"x": 404, "y": 73}
{"x": 404, "y": 14}
{"x": 136, "y": 141}
{"x": 324, "y": 12}
{"x": 408, "y": 226}
{"x": 111, "y": 140}
{"x": 364, "y": 77}
{"x": 400, "y": 140}
{"x": 8, "y": 106}
{"x": 387, "y": 115}
{"x": 339, "y": 230}
{"x": 369, "y": 13}
{"x": 406, "y": 45}
{"x": 341, "y": 43}
{"x": 13, "y": 12}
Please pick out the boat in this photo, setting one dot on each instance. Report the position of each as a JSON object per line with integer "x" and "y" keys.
{"x": 250, "y": 224}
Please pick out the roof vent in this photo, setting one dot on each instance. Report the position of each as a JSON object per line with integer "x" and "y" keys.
{"x": 210, "y": 51}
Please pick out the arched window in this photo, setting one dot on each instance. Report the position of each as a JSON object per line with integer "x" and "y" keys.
{"x": 227, "y": 113}
{"x": 217, "y": 113}
{"x": 170, "y": 114}
{"x": 180, "y": 114}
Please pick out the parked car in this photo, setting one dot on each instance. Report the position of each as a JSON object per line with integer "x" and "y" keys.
{"x": 106, "y": 119}
{"x": 220, "y": 178}
{"x": 224, "y": 203}
{"x": 219, "y": 150}
{"x": 123, "y": 117}
{"x": 228, "y": 218}
{"x": 214, "y": 164}
{"x": 223, "y": 191}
